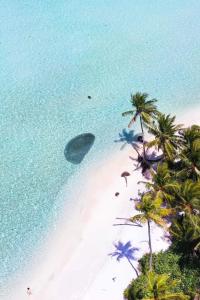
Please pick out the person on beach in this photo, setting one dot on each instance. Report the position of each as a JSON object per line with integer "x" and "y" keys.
{"x": 29, "y": 293}
{"x": 113, "y": 279}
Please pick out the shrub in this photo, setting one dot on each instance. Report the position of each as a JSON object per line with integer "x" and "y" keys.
{"x": 136, "y": 289}
{"x": 187, "y": 273}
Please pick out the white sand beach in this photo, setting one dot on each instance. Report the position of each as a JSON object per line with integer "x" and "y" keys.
{"x": 86, "y": 271}
{"x": 68, "y": 71}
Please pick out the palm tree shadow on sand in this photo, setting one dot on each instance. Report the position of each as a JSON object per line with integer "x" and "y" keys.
{"x": 77, "y": 148}
{"x": 128, "y": 137}
{"x": 125, "y": 251}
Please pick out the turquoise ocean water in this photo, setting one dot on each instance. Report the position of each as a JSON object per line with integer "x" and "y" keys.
{"x": 53, "y": 54}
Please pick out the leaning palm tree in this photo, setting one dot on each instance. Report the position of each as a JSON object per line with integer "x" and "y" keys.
{"x": 125, "y": 251}
{"x": 142, "y": 108}
{"x": 151, "y": 210}
{"x": 161, "y": 286}
{"x": 162, "y": 181}
{"x": 166, "y": 136}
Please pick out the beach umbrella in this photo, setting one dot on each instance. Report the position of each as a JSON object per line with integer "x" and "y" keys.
{"x": 125, "y": 174}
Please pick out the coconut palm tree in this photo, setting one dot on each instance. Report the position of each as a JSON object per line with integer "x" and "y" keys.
{"x": 189, "y": 135}
{"x": 125, "y": 251}
{"x": 162, "y": 181}
{"x": 151, "y": 210}
{"x": 142, "y": 108}
{"x": 160, "y": 287}
{"x": 187, "y": 197}
{"x": 185, "y": 234}
{"x": 166, "y": 136}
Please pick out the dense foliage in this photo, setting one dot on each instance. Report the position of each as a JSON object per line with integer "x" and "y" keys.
{"x": 172, "y": 197}
{"x": 185, "y": 272}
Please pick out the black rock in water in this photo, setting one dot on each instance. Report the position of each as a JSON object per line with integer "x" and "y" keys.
{"x": 89, "y": 97}
{"x": 78, "y": 147}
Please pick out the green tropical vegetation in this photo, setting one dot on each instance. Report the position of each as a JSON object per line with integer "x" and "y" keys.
{"x": 159, "y": 287}
{"x": 166, "y": 137}
{"x": 151, "y": 209}
{"x": 145, "y": 109}
{"x": 171, "y": 200}
{"x": 162, "y": 182}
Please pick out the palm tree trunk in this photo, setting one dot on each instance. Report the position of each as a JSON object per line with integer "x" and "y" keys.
{"x": 133, "y": 119}
{"x": 141, "y": 124}
{"x": 150, "y": 246}
{"x": 133, "y": 267}
{"x": 164, "y": 151}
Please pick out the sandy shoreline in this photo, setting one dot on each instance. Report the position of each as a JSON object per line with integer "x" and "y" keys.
{"x": 87, "y": 269}
{"x": 78, "y": 265}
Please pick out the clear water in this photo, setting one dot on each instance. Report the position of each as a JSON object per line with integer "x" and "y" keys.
{"x": 53, "y": 54}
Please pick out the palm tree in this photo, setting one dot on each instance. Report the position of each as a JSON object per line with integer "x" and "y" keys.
{"x": 125, "y": 251}
{"x": 162, "y": 182}
{"x": 185, "y": 234}
{"x": 160, "y": 287}
{"x": 142, "y": 108}
{"x": 166, "y": 135}
{"x": 188, "y": 197}
{"x": 151, "y": 210}
{"x": 189, "y": 135}
{"x": 190, "y": 155}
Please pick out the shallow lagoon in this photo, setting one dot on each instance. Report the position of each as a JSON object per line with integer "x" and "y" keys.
{"x": 55, "y": 54}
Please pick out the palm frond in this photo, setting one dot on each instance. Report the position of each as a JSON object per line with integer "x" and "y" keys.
{"x": 128, "y": 113}
{"x": 138, "y": 218}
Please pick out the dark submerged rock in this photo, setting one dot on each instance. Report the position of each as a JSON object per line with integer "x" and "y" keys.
{"x": 78, "y": 147}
